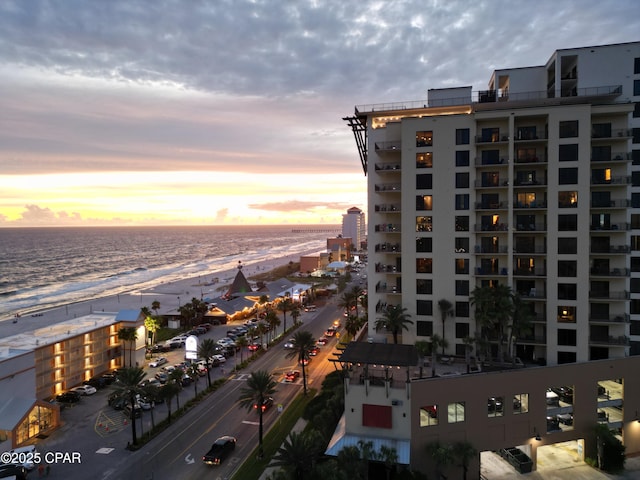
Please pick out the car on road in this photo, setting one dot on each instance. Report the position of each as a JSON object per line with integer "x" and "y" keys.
{"x": 266, "y": 404}
{"x": 218, "y": 358}
{"x": 169, "y": 368}
{"x": 289, "y": 344}
{"x": 84, "y": 390}
{"x": 254, "y": 347}
{"x": 292, "y": 375}
{"x": 220, "y": 450}
{"x": 322, "y": 341}
{"x": 158, "y": 361}
{"x": 330, "y": 332}
{"x": 313, "y": 352}
{"x": 68, "y": 397}
{"x": 310, "y": 308}
{"x": 96, "y": 382}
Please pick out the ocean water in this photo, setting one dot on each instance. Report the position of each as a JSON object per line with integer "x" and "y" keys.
{"x": 46, "y": 267}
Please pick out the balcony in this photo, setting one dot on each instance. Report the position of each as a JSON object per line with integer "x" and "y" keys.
{"x": 491, "y": 249}
{"x": 613, "y": 157}
{"x": 491, "y": 227}
{"x": 610, "y": 341}
{"x": 489, "y": 162}
{"x": 381, "y": 268}
{"x": 492, "y": 138}
{"x": 612, "y": 227}
{"x": 528, "y": 159}
{"x": 387, "y": 247}
{"x": 491, "y": 272}
{"x": 619, "y": 318}
{"x": 531, "y": 249}
{"x": 602, "y": 295}
{"x": 491, "y": 183}
{"x": 530, "y": 205}
{"x": 393, "y": 146}
{"x": 620, "y": 203}
{"x": 623, "y": 180}
{"x": 384, "y": 288}
{"x": 388, "y": 167}
{"x": 387, "y": 208}
{"x": 611, "y": 249}
{"x": 532, "y": 227}
{"x": 491, "y": 206}
{"x": 620, "y": 134}
{"x": 530, "y": 272}
{"x": 387, "y": 187}
{"x": 610, "y": 272}
{"x": 388, "y": 227}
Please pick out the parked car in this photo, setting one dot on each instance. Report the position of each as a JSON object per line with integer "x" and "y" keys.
{"x": 266, "y": 404}
{"x": 313, "y": 352}
{"x": 565, "y": 418}
{"x": 206, "y": 326}
{"x": 162, "y": 377}
{"x": 494, "y": 405}
{"x": 291, "y": 375}
{"x": 96, "y": 382}
{"x": 12, "y": 470}
{"x": 116, "y": 401}
{"x": 220, "y": 450}
{"x": 168, "y": 368}
{"x": 160, "y": 348}
{"x": 84, "y": 390}
{"x": 218, "y": 358}
{"x": 108, "y": 377}
{"x": 144, "y": 402}
{"x": 137, "y": 410}
{"x": 552, "y": 424}
{"x": 157, "y": 362}
{"x": 68, "y": 397}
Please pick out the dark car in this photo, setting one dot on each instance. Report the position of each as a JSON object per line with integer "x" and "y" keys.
{"x": 11, "y": 470}
{"x": 266, "y": 404}
{"x": 565, "y": 418}
{"x": 108, "y": 377}
{"x": 137, "y": 410}
{"x": 68, "y": 397}
{"x": 292, "y": 375}
{"x": 552, "y": 424}
{"x": 565, "y": 393}
{"x": 220, "y": 450}
{"x": 494, "y": 405}
{"x": 96, "y": 382}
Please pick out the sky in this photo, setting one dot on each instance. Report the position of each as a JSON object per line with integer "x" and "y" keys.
{"x": 187, "y": 112}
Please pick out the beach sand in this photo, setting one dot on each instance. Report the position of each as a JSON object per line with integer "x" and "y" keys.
{"x": 170, "y": 295}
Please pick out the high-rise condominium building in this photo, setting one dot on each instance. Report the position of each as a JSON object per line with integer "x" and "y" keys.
{"x": 531, "y": 185}
{"x": 354, "y": 226}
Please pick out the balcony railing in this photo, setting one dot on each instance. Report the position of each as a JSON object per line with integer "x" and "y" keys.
{"x": 611, "y": 249}
{"x": 620, "y": 203}
{"x": 491, "y": 271}
{"x": 610, "y": 272}
{"x": 619, "y": 295}
{"x": 613, "y": 157}
{"x": 618, "y": 180}
{"x": 393, "y": 146}
{"x": 619, "y": 318}
{"x": 491, "y": 205}
{"x": 533, "y": 204}
{"x": 388, "y": 227}
{"x": 388, "y": 208}
{"x": 531, "y": 227}
{"x": 621, "y": 133}
{"x": 621, "y": 227}
{"x": 538, "y": 158}
{"x": 621, "y": 340}
{"x": 388, "y": 247}
{"x": 381, "y": 268}
{"x": 495, "y": 227}
{"x": 492, "y": 249}
{"x": 529, "y": 249}
{"x": 530, "y": 272}
{"x": 387, "y": 167}
{"x": 387, "y": 187}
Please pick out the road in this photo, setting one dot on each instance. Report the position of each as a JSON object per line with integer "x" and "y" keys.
{"x": 177, "y": 451}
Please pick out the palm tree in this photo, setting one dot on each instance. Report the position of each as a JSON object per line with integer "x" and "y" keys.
{"x": 346, "y": 300}
{"x": 352, "y": 325}
{"x": 468, "y": 342}
{"x": 194, "y": 373}
{"x": 168, "y": 392}
{"x": 242, "y": 343}
{"x": 260, "y": 386}
{"x": 442, "y": 455}
{"x": 303, "y": 341}
{"x": 284, "y": 306}
{"x": 155, "y": 306}
{"x": 521, "y": 322}
{"x": 273, "y": 321}
{"x": 152, "y": 393}
{"x": 175, "y": 377}
{"x": 394, "y": 320}
{"x": 464, "y": 452}
{"x": 422, "y": 347}
{"x": 493, "y": 311}
{"x": 446, "y": 310}
{"x": 207, "y": 349}
{"x": 295, "y": 312}
{"x": 128, "y": 386}
{"x": 298, "y": 452}
{"x": 356, "y": 292}
{"x": 436, "y": 342}
{"x": 152, "y": 325}
{"x": 130, "y": 335}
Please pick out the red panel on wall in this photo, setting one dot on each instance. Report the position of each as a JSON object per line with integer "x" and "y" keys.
{"x": 378, "y": 416}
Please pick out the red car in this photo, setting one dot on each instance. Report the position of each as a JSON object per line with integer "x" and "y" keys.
{"x": 330, "y": 332}
{"x": 292, "y": 376}
{"x": 313, "y": 352}
{"x": 254, "y": 347}
{"x": 322, "y": 341}
{"x": 268, "y": 402}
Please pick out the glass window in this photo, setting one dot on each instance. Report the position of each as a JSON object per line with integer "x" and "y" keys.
{"x": 568, "y": 153}
{"x": 568, "y": 176}
{"x": 567, "y": 268}
{"x": 462, "y": 287}
{"x": 566, "y": 314}
{"x": 462, "y": 223}
{"x": 491, "y": 157}
{"x": 424, "y": 181}
{"x": 635, "y": 221}
{"x": 424, "y": 307}
{"x": 462, "y": 309}
{"x": 521, "y": 403}
{"x": 461, "y": 244}
{"x": 429, "y": 415}
{"x": 423, "y": 224}
{"x": 424, "y": 244}
{"x": 424, "y": 328}
{"x": 567, "y": 223}
{"x": 601, "y": 153}
{"x": 462, "y": 158}
{"x": 636, "y": 65}
{"x": 526, "y": 155}
{"x": 424, "y": 265}
{"x": 462, "y": 201}
{"x": 424, "y": 286}
{"x": 424, "y": 139}
{"x": 635, "y": 157}
{"x": 636, "y": 87}
{"x": 635, "y": 200}
{"x": 495, "y": 406}
{"x": 424, "y": 160}
{"x": 490, "y": 134}
{"x": 462, "y": 330}
{"x": 635, "y": 179}
{"x": 462, "y": 180}
{"x": 568, "y": 245}
{"x": 567, "y": 199}
{"x": 567, "y": 337}
{"x": 462, "y": 265}
{"x": 636, "y": 110}
{"x": 424, "y": 202}
{"x": 636, "y": 135}
{"x": 601, "y": 130}
{"x": 462, "y": 136}
{"x": 567, "y": 291}
{"x": 568, "y": 129}
{"x": 456, "y": 412}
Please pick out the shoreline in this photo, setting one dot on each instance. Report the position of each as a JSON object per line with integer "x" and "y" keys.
{"x": 171, "y": 295}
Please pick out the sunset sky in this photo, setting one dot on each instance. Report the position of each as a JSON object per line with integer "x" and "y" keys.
{"x": 230, "y": 112}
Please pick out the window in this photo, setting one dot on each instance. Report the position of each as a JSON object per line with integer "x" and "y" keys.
{"x": 526, "y": 133}
{"x": 424, "y": 307}
{"x": 462, "y": 287}
{"x": 424, "y": 160}
{"x": 635, "y": 221}
{"x": 567, "y": 291}
{"x": 568, "y": 246}
{"x": 600, "y": 221}
{"x": 429, "y": 416}
{"x": 424, "y": 286}
{"x": 462, "y": 265}
{"x": 520, "y": 403}
{"x": 424, "y": 265}
{"x": 635, "y": 200}
{"x": 567, "y": 223}
{"x": 423, "y": 224}
{"x": 462, "y": 136}
{"x": 491, "y": 157}
{"x": 495, "y": 406}
{"x": 635, "y": 264}
{"x": 601, "y": 176}
{"x": 378, "y": 416}
{"x": 568, "y": 153}
{"x": 462, "y": 224}
{"x": 636, "y": 135}
{"x": 567, "y": 337}
{"x": 424, "y": 202}
{"x": 526, "y": 155}
{"x": 566, "y": 357}
{"x": 567, "y": 268}
{"x": 462, "y": 180}
{"x": 424, "y": 329}
{"x": 424, "y": 181}
{"x": 490, "y": 179}
{"x": 601, "y": 153}
{"x": 566, "y": 314}
{"x": 490, "y": 134}
{"x": 636, "y": 65}
{"x": 461, "y": 245}
{"x": 636, "y": 110}
{"x": 636, "y": 87}
{"x": 424, "y": 244}
{"x": 567, "y": 199}
{"x": 601, "y": 130}
{"x": 462, "y": 330}
{"x": 568, "y": 129}
{"x": 462, "y": 158}
{"x": 424, "y": 139}
{"x": 462, "y": 309}
{"x": 462, "y": 201}
{"x": 601, "y": 199}
{"x": 635, "y": 179}
{"x": 455, "y": 412}
{"x": 568, "y": 176}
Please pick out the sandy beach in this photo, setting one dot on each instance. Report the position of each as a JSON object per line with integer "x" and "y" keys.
{"x": 170, "y": 295}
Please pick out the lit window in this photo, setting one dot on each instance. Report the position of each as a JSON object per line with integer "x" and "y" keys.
{"x": 455, "y": 412}
{"x": 521, "y": 403}
{"x": 495, "y": 406}
{"x": 424, "y": 139}
{"x": 429, "y": 416}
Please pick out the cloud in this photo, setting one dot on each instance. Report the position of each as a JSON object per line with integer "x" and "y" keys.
{"x": 298, "y": 206}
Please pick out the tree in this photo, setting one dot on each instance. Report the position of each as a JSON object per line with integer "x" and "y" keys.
{"x": 468, "y": 348}
{"x": 463, "y": 452}
{"x": 242, "y": 343}
{"x": 295, "y": 312}
{"x": 436, "y": 342}
{"x": 207, "y": 349}
{"x": 446, "y": 310}
{"x": 152, "y": 393}
{"x": 168, "y": 392}
{"x": 303, "y": 341}
{"x": 442, "y": 455}
{"x": 128, "y": 335}
{"x": 152, "y": 325}
{"x": 394, "y": 320}
{"x": 493, "y": 312}
{"x": 259, "y": 386}
{"x": 422, "y": 347}
{"x": 346, "y": 301}
{"x": 352, "y": 325}
{"x": 273, "y": 321}
{"x": 298, "y": 453}
{"x": 284, "y": 306}
{"x": 356, "y": 292}
{"x": 155, "y": 306}
{"x": 128, "y": 386}
{"x": 194, "y": 372}
{"x": 175, "y": 377}
{"x": 521, "y": 323}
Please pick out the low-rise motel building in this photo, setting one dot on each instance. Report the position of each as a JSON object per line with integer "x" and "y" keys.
{"x": 37, "y": 365}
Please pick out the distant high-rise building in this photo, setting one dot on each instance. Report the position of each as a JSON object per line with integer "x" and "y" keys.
{"x": 354, "y": 226}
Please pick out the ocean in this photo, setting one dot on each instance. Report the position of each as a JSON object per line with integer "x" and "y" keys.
{"x": 42, "y": 268}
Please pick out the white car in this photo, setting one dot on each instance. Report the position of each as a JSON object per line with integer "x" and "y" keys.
{"x": 158, "y": 361}
{"x": 226, "y": 342}
{"x": 144, "y": 403}
{"x": 169, "y": 368}
{"x": 219, "y": 358}
{"x": 84, "y": 390}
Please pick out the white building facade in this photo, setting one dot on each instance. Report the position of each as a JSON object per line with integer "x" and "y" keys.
{"x": 354, "y": 226}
